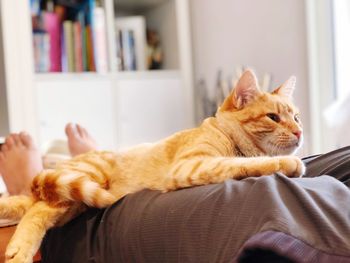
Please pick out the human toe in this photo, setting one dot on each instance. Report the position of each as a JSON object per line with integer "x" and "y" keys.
{"x": 71, "y": 130}
{"x": 9, "y": 142}
{"x": 16, "y": 139}
{"x": 82, "y": 131}
{"x": 26, "y": 139}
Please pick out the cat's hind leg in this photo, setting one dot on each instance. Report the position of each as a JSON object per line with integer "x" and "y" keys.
{"x": 14, "y": 207}
{"x": 85, "y": 178}
{"x": 30, "y": 231}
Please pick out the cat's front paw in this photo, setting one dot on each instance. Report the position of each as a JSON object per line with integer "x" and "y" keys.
{"x": 18, "y": 253}
{"x": 291, "y": 166}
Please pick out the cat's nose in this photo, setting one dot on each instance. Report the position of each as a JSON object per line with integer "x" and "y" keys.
{"x": 297, "y": 134}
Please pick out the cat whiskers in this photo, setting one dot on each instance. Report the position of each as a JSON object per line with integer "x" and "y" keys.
{"x": 275, "y": 148}
{"x": 278, "y": 148}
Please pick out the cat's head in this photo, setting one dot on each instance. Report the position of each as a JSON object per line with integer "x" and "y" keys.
{"x": 270, "y": 120}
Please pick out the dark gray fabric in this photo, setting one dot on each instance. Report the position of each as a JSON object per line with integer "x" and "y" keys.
{"x": 335, "y": 164}
{"x": 273, "y": 246}
{"x": 210, "y": 223}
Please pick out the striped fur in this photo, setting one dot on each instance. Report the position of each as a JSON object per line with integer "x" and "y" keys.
{"x": 244, "y": 139}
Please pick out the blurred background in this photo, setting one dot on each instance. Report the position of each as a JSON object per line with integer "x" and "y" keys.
{"x": 133, "y": 71}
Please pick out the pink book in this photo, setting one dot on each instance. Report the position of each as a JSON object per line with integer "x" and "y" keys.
{"x": 52, "y": 27}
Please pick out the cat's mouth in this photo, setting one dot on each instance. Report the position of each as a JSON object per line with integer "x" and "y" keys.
{"x": 285, "y": 148}
{"x": 293, "y": 144}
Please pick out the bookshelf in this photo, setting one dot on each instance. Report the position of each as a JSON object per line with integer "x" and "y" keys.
{"x": 101, "y": 99}
{"x": 77, "y": 37}
{"x": 152, "y": 12}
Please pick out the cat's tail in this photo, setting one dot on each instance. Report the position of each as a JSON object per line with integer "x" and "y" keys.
{"x": 14, "y": 207}
{"x": 60, "y": 186}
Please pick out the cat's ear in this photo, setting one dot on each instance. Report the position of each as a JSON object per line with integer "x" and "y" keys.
{"x": 287, "y": 89}
{"x": 245, "y": 92}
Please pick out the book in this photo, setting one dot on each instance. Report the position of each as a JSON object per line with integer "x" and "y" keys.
{"x": 41, "y": 45}
{"x": 129, "y": 53}
{"x": 35, "y": 7}
{"x": 78, "y": 43}
{"x": 91, "y": 64}
{"x": 64, "y": 61}
{"x": 69, "y": 44}
{"x": 53, "y": 28}
{"x": 132, "y": 50}
{"x": 100, "y": 40}
{"x": 82, "y": 21}
{"x": 76, "y": 36}
{"x": 120, "y": 57}
{"x": 126, "y": 49}
{"x": 90, "y": 49}
{"x": 137, "y": 25}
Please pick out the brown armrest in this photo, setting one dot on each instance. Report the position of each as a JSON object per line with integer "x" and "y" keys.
{"x": 5, "y": 236}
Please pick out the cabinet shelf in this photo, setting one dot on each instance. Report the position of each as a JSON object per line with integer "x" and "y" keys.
{"x": 66, "y": 76}
{"x": 154, "y": 74}
{"x": 85, "y": 76}
{"x": 137, "y": 4}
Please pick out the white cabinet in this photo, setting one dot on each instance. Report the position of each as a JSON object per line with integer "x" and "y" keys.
{"x": 149, "y": 109}
{"x": 88, "y": 101}
{"x": 119, "y": 108}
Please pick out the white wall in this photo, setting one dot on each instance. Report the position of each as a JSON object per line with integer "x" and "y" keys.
{"x": 269, "y": 36}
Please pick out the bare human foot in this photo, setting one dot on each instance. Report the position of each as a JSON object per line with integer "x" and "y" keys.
{"x": 20, "y": 161}
{"x": 79, "y": 140}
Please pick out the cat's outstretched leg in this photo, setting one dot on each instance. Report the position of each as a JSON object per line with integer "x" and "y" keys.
{"x": 14, "y": 207}
{"x": 201, "y": 171}
{"x": 31, "y": 230}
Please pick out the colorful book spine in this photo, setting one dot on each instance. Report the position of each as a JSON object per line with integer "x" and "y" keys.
{"x": 85, "y": 50}
{"x": 78, "y": 43}
{"x": 126, "y": 48}
{"x": 133, "y": 62}
{"x": 35, "y": 7}
{"x": 129, "y": 53}
{"x": 53, "y": 28}
{"x": 64, "y": 61}
{"x": 41, "y": 43}
{"x": 76, "y": 36}
{"x": 120, "y": 59}
{"x": 69, "y": 44}
{"x": 100, "y": 40}
{"x": 81, "y": 20}
{"x": 90, "y": 49}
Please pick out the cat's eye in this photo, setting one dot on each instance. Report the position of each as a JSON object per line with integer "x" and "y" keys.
{"x": 297, "y": 118}
{"x": 274, "y": 117}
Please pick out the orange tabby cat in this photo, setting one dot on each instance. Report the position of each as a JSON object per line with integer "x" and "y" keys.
{"x": 250, "y": 135}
